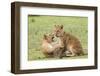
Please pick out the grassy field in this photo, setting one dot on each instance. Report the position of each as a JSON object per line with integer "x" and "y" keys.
{"x": 39, "y": 25}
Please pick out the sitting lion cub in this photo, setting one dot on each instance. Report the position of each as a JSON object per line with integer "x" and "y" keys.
{"x": 51, "y": 48}
{"x": 71, "y": 44}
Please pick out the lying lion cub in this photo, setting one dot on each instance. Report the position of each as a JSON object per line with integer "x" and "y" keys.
{"x": 51, "y": 48}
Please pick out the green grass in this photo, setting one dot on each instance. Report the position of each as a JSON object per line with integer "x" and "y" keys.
{"x": 39, "y": 25}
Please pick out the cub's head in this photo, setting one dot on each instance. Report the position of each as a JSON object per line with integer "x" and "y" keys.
{"x": 58, "y": 30}
{"x": 49, "y": 38}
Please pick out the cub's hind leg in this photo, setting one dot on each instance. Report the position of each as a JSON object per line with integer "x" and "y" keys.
{"x": 72, "y": 51}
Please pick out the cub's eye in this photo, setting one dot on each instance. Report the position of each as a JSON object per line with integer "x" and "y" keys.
{"x": 52, "y": 37}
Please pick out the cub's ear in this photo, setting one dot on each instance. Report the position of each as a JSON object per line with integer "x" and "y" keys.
{"x": 61, "y": 26}
{"x": 51, "y": 34}
{"x": 45, "y": 36}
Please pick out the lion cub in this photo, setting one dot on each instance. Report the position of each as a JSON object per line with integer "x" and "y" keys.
{"x": 70, "y": 42}
{"x": 51, "y": 48}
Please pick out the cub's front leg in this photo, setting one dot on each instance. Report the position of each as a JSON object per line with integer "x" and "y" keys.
{"x": 58, "y": 52}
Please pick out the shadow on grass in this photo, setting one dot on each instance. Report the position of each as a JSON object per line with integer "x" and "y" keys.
{"x": 67, "y": 57}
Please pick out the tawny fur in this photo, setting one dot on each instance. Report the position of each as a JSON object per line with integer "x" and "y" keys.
{"x": 70, "y": 42}
{"x": 50, "y": 48}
